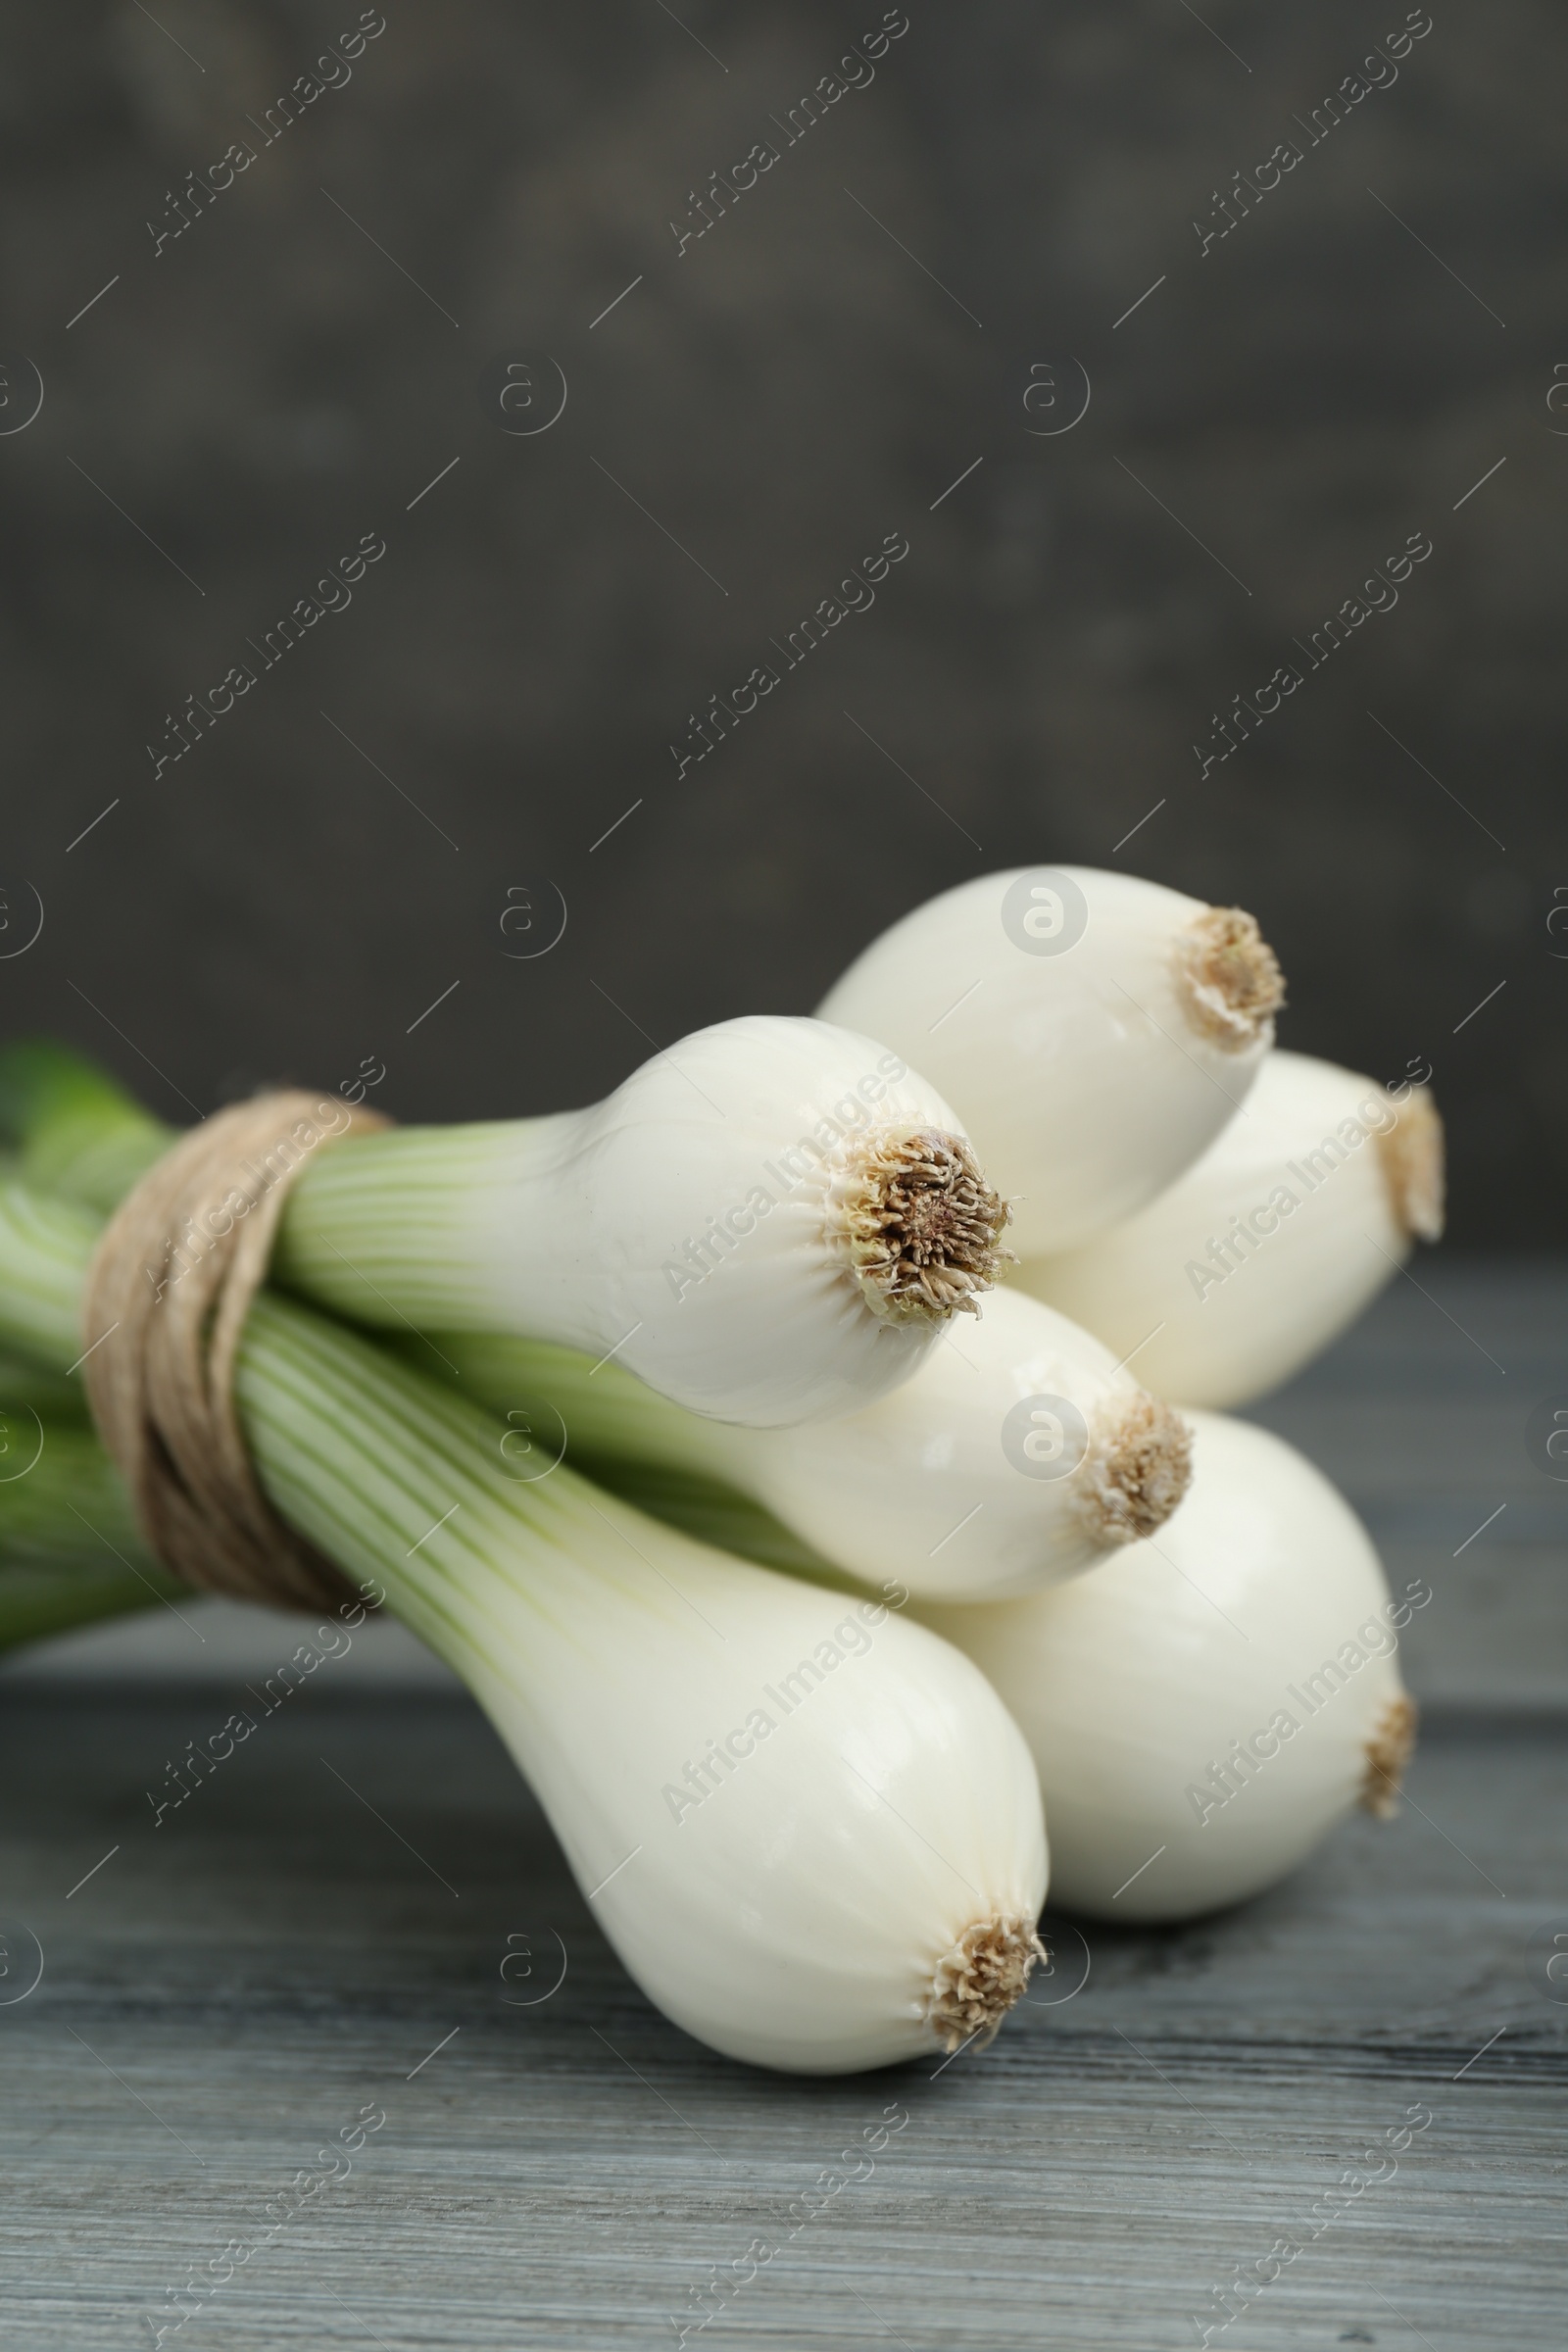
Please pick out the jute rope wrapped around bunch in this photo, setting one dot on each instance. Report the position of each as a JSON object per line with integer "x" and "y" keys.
{"x": 167, "y": 1291}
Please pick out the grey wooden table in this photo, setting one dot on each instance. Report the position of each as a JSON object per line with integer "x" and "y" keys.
{"x": 363, "y": 1915}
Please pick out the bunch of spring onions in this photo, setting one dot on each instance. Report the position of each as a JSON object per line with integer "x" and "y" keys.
{"x": 794, "y": 1560}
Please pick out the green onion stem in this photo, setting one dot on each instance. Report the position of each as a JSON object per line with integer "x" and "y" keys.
{"x": 70, "y": 1548}
{"x": 396, "y": 1479}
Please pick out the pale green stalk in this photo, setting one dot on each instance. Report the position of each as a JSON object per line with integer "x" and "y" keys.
{"x": 622, "y": 1435}
{"x": 70, "y": 1548}
{"x": 364, "y": 1457}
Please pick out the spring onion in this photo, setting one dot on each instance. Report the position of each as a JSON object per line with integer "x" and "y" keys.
{"x": 1270, "y": 1244}
{"x": 807, "y": 1826}
{"x": 1205, "y": 1707}
{"x": 1016, "y": 1455}
{"x": 1097, "y": 1029}
{"x": 772, "y": 1222}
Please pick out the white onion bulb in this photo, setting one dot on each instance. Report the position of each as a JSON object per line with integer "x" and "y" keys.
{"x": 771, "y": 1222}
{"x": 1016, "y": 1455}
{"x": 840, "y": 1855}
{"x": 1098, "y": 1030}
{"x": 1205, "y": 1707}
{"x": 809, "y": 1827}
{"x": 1271, "y": 1244}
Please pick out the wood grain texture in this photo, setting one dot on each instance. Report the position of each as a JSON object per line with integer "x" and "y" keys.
{"x": 224, "y": 1993}
{"x": 1420, "y": 1414}
{"x": 228, "y": 1989}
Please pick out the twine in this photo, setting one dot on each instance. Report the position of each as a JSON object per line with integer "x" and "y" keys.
{"x": 166, "y": 1296}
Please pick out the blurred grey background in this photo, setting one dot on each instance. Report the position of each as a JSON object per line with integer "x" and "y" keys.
{"x": 894, "y": 330}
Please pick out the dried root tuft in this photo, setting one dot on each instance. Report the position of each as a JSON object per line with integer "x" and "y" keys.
{"x": 1410, "y": 1155}
{"x": 1388, "y": 1752}
{"x": 918, "y": 1223}
{"x": 1229, "y": 978}
{"x": 978, "y": 1982}
{"x": 1138, "y": 1467}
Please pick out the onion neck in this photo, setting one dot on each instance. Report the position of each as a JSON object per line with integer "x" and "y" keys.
{"x": 432, "y": 1226}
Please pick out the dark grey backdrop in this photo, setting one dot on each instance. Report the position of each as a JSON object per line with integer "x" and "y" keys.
{"x": 247, "y": 398}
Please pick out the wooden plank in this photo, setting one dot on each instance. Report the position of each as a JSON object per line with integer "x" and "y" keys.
{"x": 1419, "y": 1415}
{"x": 223, "y": 1993}
{"x": 272, "y": 1957}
